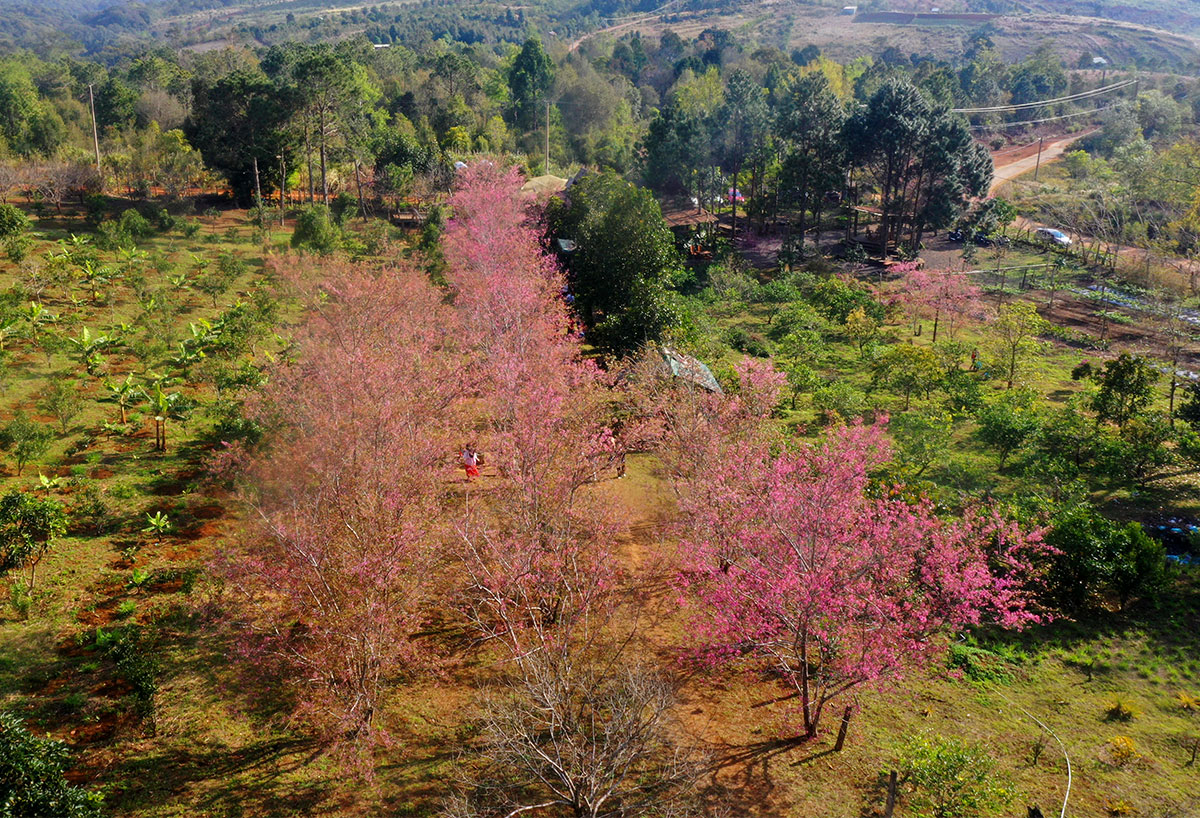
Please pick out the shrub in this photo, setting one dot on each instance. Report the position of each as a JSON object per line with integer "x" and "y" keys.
{"x": 134, "y": 224}
{"x": 839, "y": 401}
{"x": 950, "y": 778}
{"x": 12, "y": 221}
{"x": 31, "y": 776}
{"x": 1121, "y": 751}
{"x": 111, "y": 236}
{"x": 130, "y": 650}
{"x": 28, "y": 528}
{"x": 315, "y": 231}
{"x": 1119, "y": 710}
{"x": 26, "y": 439}
{"x": 18, "y": 595}
{"x": 1117, "y": 806}
{"x": 16, "y": 248}
{"x": 836, "y": 298}
{"x": 343, "y": 207}
{"x": 743, "y": 341}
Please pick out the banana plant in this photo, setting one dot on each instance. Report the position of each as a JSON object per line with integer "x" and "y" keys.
{"x": 125, "y": 394}
{"x": 7, "y": 329}
{"x": 36, "y": 315}
{"x": 186, "y": 355}
{"x": 95, "y": 276}
{"x": 86, "y": 349}
{"x": 165, "y": 405}
{"x": 131, "y": 257}
{"x": 157, "y": 524}
{"x": 48, "y": 483}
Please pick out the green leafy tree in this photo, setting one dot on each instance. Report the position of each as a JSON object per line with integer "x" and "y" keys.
{"x": 26, "y": 439}
{"x": 797, "y": 353}
{"x": 861, "y": 328}
{"x": 1007, "y": 422}
{"x": 625, "y": 262}
{"x": 810, "y": 124}
{"x": 775, "y": 295}
{"x": 745, "y": 118}
{"x": 1125, "y": 388}
{"x": 1096, "y": 556}
{"x": 922, "y": 438}
{"x": 32, "y": 780}
{"x": 906, "y": 368}
{"x": 922, "y": 160}
{"x": 28, "y": 528}
{"x": 530, "y": 79}
{"x": 1140, "y": 450}
{"x": 236, "y": 120}
{"x": 329, "y": 88}
{"x": 950, "y": 778}
{"x": 28, "y": 125}
{"x": 1014, "y": 337}
{"x": 678, "y": 144}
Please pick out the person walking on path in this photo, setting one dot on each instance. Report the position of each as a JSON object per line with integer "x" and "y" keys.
{"x": 470, "y": 462}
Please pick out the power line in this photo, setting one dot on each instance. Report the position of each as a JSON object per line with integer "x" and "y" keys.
{"x": 1036, "y": 121}
{"x": 1040, "y": 103}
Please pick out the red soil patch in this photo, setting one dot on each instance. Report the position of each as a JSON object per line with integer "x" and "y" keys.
{"x": 209, "y": 512}
{"x": 101, "y": 473}
{"x": 192, "y": 550}
{"x": 205, "y": 530}
{"x": 103, "y": 614}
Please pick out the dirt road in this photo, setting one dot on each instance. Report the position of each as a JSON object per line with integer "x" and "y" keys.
{"x": 1178, "y": 271}
{"x": 622, "y": 24}
{"x": 1051, "y": 151}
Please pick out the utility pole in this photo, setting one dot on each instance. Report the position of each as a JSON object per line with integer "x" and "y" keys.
{"x": 282, "y": 188}
{"x": 95, "y": 130}
{"x": 257, "y": 187}
{"x": 547, "y": 136}
{"x": 1038, "y": 165}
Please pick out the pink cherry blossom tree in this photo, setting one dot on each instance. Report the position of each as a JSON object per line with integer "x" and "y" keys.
{"x": 343, "y": 568}
{"x": 798, "y": 564}
{"x": 945, "y": 297}
{"x": 539, "y": 545}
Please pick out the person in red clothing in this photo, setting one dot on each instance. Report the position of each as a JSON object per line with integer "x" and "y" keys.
{"x": 470, "y": 462}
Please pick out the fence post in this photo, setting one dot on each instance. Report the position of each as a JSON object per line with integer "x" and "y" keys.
{"x": 841, "y": 739}
{"x": 890, "y": 807}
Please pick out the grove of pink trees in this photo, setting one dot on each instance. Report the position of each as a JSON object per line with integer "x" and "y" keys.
{"x": 368, "y": 535}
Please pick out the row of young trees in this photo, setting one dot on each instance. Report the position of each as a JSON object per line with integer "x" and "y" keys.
{"x": 370, "y": 549}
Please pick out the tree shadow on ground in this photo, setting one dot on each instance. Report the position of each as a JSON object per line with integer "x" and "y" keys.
{"x": 251, "y": 780}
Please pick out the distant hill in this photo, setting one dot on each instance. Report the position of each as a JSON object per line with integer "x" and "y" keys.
{"x": 48, "y": 24}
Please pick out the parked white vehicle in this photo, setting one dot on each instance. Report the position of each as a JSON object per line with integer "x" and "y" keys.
{"x": 1049, "y": 234}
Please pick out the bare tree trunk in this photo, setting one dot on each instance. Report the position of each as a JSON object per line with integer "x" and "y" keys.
{"x": 890, "y": 807}
{"x": 362, "y": 213}
{"x": 324, "y": 180}
{"x": 312, "y": 196}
